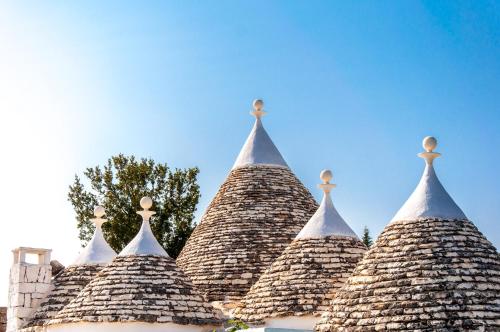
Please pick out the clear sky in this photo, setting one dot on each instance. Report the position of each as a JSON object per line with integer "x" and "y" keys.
{"x": 349, "y": 85}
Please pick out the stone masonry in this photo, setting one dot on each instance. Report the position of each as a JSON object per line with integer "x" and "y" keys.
{"x": 146, "y": 288}
{"x": 255, "y": 214}
{"x": 426, "y": 275}
{"x": 303, "y": 280}
{"x": 28, "y": 286}
{"x": 66, "y": 286}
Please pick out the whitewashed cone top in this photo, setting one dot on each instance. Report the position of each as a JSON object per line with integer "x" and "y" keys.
{"x": 430, "y": 199}
{"x": 326, "y": 221}
{"x": 259, "y": 148}
{"x": 144, "y": 243}
{"x": 97, "y": 250}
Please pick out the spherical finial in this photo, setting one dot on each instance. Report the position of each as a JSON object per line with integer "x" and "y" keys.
{"x": 326, "y": 175}
{"x": 258, "y": 105}
{"x": 429, "y": 143}
{"x": 146, "y": 203}
{"x": 99, "y": 211}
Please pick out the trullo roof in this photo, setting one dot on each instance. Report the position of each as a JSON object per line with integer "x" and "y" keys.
{"x": 68, "y": 283}
{"x": 256, "y": 213}
{"x": 141, "y": 285}
{"x": 305, "y": 277}
{"x": 430, "y": 270}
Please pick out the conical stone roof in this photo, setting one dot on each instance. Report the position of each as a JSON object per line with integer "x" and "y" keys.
{"x": 304, "y": 278}
{"x": 68, "y": 283}
{"x": 430, "y": 270}
{"x": 258, "y": 210}
{"x": 141, "y": 285}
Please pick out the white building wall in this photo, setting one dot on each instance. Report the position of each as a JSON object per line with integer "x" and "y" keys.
{"x": 127, "y": 327}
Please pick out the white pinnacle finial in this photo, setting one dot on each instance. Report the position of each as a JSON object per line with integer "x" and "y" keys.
{"x": 146, "y": 203}
{"x": 258, "y": 108}
{"x": 99, "y": 212}
{"x": 326, "y": 175}
{"x": 429, "y": 143}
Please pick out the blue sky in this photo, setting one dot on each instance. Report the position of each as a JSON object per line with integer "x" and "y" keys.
{"x": 353, "y": 86}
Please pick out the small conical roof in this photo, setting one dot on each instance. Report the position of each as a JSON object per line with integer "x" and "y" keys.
{"x": 430, "y": 199}
{"x": 430, "y": 269}
{"x": 68, "y": 283}
{"x": 326, "y": 220}
{"x": 141, "y": 285}
{"x": 301, "y": 282}
{"x": 144, "y": 243}
{"x": 259, "y": 147}
{"x": 97, "y": 251}
{"x": 257, "y": 212}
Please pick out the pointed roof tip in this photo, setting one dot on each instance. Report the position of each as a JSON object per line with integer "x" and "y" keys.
{"x": 259, "y": 148}
{"x": 144, "y": 243}
{"x": 326, "y": 221}
{"x": 97, "y": 251}
{"x": 429, "y": 199}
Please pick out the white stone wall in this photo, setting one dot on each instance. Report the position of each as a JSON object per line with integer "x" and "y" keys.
{"x": 28, "y": 286}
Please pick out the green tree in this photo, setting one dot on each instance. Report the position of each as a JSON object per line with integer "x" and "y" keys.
{"x": 119, "y": 186}
{"x": 367, "y": 239}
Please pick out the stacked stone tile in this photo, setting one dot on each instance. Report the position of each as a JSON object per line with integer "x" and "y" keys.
{"x": 431, "y": 269}
{"x": 141, "y": 285}
{"x": 305, "y": 277}
{"x": 3, "y": 319}
{"x": 67, "y": 284}
{"x": 256, "y": 213}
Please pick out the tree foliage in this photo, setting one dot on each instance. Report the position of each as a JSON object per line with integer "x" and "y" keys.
{"x": 367, "y": 239}
{"x": 119, "y": 186}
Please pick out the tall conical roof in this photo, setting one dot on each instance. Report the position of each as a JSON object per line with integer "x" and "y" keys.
{"x": 141, "y": 285}
{"x": 256, "y": 213}
{"x": 300, "y": 284}
{"x": 430, "y": 269}
{"x": 68, "y": 283}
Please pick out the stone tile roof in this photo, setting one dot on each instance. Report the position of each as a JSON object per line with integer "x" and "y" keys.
{"x": 303, "y": 280}
{"x": 143, "y": 288}
{"x": 66, "y": 286}
{"x": 255, "y": 214}
{"x": 426, "y": 275}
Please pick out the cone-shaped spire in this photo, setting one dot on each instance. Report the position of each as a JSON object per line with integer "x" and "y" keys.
{"x": 259, "y": 148}
{"x": 300, "y": 283}
{"x": 430, "y": 199}
{"x": 326, "y": 221}
{"x": 97, "y": 250}
{"x": 68, "y": 283}
{"x": 257, "y": 212}
{"x": 430, "y": 269}
{"x": 144, "y": 243}
{"x": 141, "y": 285}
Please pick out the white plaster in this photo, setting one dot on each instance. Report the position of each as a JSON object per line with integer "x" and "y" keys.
{"x": 144, "y": 243}
{"x": 127, "y": 327}
{"x": 429, "y": 200}
{"x": 97, "y": 250}
{"x": 306, "y": 322}
{"x": 259, "y": 149}
{"x": 326, "y": 221}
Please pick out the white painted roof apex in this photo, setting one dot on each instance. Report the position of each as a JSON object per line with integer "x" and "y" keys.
{"x": 144, "y": 243}
{"x": 326, "y": 221}
{"x": 259, "y": 148}
{"x": 430, "y": 199}
{"x": 97, "y": 250}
